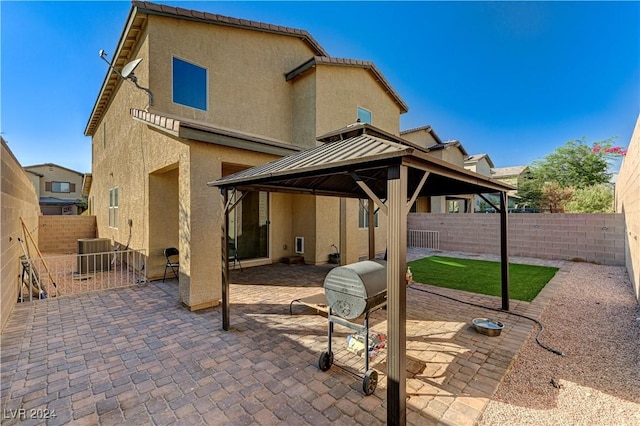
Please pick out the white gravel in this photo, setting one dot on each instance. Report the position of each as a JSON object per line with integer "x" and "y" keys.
{"x": 594, "y": 319}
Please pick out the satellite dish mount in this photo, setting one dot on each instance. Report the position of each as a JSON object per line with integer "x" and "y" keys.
{"x": 127, "y": 73}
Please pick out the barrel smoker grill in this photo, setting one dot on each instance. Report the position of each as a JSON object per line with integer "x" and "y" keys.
{"x": 352, "y": 291}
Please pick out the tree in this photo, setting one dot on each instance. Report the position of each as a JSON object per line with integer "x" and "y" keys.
{"x": 554, "y": 197}
{"x": 574, "y": 165}
{"x": 592, "y": 199}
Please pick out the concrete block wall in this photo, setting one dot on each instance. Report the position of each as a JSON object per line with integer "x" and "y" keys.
{"x": 628, "y": 203}
{"x": 60, "y": 234}
{"x": 19, "y": 200}
{"x": 597, "y": 238}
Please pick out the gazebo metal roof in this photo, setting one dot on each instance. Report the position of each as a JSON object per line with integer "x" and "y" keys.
{"x": 361, "y": 161}
{"x": 362, "y": 149}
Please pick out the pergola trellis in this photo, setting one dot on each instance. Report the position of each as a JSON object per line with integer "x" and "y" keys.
{"x": 361, "y": 161}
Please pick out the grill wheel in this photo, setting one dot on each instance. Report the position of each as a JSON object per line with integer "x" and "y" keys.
{"x": 325, "y": 361}
{"x": 370, "y": 382}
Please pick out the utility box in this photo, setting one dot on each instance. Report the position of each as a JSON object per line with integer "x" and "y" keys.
{"x": 93, "y": 255}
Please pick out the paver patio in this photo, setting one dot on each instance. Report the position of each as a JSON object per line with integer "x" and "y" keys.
{"x": 136, "y": 356}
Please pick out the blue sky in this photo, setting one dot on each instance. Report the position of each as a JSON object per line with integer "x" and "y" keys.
{"x": 514, "y": 80}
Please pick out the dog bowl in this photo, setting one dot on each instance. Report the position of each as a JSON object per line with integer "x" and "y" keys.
{"x": 488, "y": 326}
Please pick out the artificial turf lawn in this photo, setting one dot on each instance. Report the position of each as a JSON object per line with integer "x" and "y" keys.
{"x": 481, "y": 276}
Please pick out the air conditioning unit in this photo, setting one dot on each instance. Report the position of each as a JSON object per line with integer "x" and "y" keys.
{"x": 93, "y": 255}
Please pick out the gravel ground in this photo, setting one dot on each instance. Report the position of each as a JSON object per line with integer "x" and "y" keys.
{"x": 595, "y": 320}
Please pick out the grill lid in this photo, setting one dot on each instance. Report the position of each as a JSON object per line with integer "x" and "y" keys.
{"x": 354, "y": 289}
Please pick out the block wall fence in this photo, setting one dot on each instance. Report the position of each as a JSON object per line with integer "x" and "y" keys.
{"x": 628, "y": 203}
{"x": 18, "y": 200}
{"x": 60, "y": 234}
{"x": 597, "y": 238}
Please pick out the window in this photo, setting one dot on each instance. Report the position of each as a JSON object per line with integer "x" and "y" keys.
{"x": 65, "y": 187}
{"x": 364, "y": 115}
{"x": 363, "y": 215}
{"x": 113, "y": 207}
{"x": 189, "y": 84}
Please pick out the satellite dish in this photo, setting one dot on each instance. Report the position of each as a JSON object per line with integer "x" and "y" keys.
{"x": 127, "y": 70}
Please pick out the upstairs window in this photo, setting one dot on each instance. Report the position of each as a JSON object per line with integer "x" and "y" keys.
{"x": 364, "y": 115}
{"x": 189, "y": 84}
{"x": 64, "y": 187}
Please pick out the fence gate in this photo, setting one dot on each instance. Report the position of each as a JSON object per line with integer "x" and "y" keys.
{"x": 424, "y": 239}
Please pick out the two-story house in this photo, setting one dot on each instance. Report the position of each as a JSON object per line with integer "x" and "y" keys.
{"x": 479, "y": 163}
{"x": 450, "y": 151}
{"x": 59, "y": 189}
{"x": 223, "y": 95}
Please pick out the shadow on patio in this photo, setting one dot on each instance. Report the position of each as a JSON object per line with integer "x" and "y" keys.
{"x": 136, "y": 356}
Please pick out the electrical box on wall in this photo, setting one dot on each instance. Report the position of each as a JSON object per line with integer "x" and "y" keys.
{"x": 299, "y": 245}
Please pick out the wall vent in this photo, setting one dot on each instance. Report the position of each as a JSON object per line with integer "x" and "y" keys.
{"x": 299, "y": 246}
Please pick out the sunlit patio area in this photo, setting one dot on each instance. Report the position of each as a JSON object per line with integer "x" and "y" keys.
{"x": 137, "y": 356}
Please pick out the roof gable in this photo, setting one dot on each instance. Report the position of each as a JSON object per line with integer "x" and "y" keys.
{"x": 344, "y": 62}
{"x": 35, "y": 166}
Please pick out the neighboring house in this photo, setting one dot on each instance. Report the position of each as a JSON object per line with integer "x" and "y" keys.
{"x": 513, "y": 176}
{"x": 450, "y": 151}
{"x": 59, "y": 188}
{"x": 479, "y": 163}
{"x": 228, "y": 94}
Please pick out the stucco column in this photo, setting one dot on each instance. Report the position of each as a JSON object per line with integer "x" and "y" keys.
{"x": 200, "y": 209}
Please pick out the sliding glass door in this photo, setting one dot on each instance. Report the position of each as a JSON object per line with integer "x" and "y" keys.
{"x": 249, "y": 226}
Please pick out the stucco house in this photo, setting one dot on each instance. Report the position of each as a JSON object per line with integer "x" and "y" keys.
{"x": 58, "y": 188}
{"x": 450, "y": 151}
{"x": 479, "y": 163}
{"x": 513, "y": 176}
{"x": 223, "y": 94}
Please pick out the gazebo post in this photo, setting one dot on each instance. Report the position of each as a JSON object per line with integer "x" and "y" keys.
{"x": 504, "y": 250}
{"x": 396, "y": 294}
{"x": 225, "y": 263}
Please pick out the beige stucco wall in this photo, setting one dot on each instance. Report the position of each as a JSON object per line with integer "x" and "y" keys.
{"x": 247, "y": 89}
{"x": 35, "y": 181}
{"x": 53, "y": 173}
{"x": 18, "y": 200}
{"x": 590, "y": 237}
{"x": 303, "y": 122}
{"x": 628, "y": 203}
{"x": 483, "y": 167}
{"x": 339, "y": 92}
{"x": 162, "y": 178}
{"x": 420, "y": 137}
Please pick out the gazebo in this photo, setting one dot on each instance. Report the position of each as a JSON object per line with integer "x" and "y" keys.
{"x": 361, "y": 161}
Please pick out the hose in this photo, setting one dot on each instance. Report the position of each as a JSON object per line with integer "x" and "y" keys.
{"x": 542, "y": 345}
